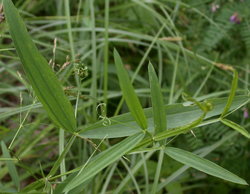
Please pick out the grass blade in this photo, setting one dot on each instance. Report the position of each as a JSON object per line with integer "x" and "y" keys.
{"x": 104, "y": 159}
{"x": 236, "y": 127}
{"x": 232, "y": 94}
{"x": 44, "y": 82}
{"x": 131, "y": 99}
{"x": 158, "y": 171}
{"x": 11, "y": 166}
{"x": 159, "y": 113}
{"x": 203, "y": 165}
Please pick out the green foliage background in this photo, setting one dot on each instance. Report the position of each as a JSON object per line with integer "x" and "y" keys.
{"x": 134, "y": 29}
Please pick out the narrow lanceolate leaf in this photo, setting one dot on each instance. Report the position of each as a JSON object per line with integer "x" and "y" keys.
{"x": 11, "y": 166}
{"x": 236, "y": 127}
{"x": 203, "y": 165}
{"x": 234, "y": 86}
{"x": 129, "y": 94}
{"x": 104, "y": 159}
{"x": 159, "y": 113}
{"x": 41, "y": 77}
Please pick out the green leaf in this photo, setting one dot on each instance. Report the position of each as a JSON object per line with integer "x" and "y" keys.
{"x": 203, "y": 165}
{"x": 124, "y": 125}
{"x": 102, "y": 160}
{"x": 41, "y": 77}
{"x": 11, "y": 166}
{"x": 171, "y": 133}
{"x": 179, "y": 130}
{"x": 159, "y": 113}
{"x": 129, "y": 94}
{"x": 234, "y": 86}
{"x": 235, "y": 126}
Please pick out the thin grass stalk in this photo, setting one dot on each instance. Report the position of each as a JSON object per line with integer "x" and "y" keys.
{"x": 160, "y": 64}
{"x": 106, "y": 52}
{"x": 94, "y": 61}
{"x": 126, "y": 180}
{"x": 137, "y": 187}
{"x": 70, "y": 36}
{"x": 61, "y": 149}
{"x": 176, "y": 65}
{"x": 158, "y": 171}
{"x": 204, "y": 81}
{"x": 108, "y": 179}
{"x": 145, "y": 173}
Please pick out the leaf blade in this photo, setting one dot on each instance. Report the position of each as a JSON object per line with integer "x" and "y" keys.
{"x": 203, "y": 165}
{"x": 104, "y": 159}
{"x": 159, "y": 113}
{"x": 44, "y": 82}
{"x": 131, "y": 99}
{"x": 11, "y": 166}
{"x": 236, "y": 127}
{"x": 234, "y": 86}
{"x": 173, "y": 114}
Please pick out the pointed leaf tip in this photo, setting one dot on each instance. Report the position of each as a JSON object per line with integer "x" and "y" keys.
{"x": 203, "y": 165}
{"x": 129, "y": 94}
{"x": 159, "y": 113}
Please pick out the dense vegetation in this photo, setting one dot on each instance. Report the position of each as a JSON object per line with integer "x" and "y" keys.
{"x": 72, "y": 122}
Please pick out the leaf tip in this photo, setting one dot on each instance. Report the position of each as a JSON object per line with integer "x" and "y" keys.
{"x": 115, "y": 52}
